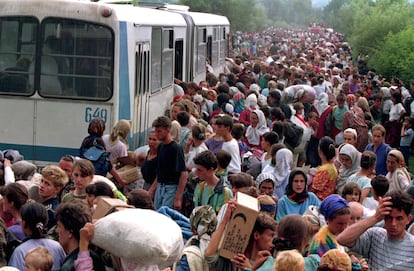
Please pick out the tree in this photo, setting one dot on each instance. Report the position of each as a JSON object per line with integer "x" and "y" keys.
{"x": 244, "y": 15}
{"x": 395, "y": 58}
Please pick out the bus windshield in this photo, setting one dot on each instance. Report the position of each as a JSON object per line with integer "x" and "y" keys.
{"x": 74, "y": 58}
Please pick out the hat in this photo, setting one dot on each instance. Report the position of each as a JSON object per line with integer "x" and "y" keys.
{"x": 265, "y": 177}
{"x": 336, "y": 259}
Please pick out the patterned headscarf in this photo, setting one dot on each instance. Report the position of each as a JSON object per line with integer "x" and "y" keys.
{"x": 203, "y": 220}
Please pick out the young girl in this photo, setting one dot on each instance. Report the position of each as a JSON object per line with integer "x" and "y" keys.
{"x": 83, "y": 172}
{"x": 195, "y": 145}
{"x": 255, "y": 131}
{"x": 351, "y": 192}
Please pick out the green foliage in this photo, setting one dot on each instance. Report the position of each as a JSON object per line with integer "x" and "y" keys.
{"x": 244, "y": 15}
{"x": 396, "y": 56}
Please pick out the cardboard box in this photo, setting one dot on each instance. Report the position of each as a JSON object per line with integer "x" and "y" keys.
{"x": 237, "y": 234}
{"x": 107, "y": 205}
{"x": 128, "y": 173}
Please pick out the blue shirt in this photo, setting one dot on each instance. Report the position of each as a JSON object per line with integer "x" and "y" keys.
{"x": 406, "y": 140}
{"x": 382, "y": 153}
{"x": 285, "y": 206}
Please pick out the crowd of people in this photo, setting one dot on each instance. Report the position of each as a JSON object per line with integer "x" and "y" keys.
{"x": 294, "y": 121}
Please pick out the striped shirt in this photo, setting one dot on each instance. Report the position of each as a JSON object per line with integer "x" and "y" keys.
{"x": 384, "y": 253}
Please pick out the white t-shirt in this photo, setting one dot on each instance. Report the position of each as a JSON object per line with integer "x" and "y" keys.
{"x": 117, "y": 150}
{"x": 232, "y": 147}
{"x": 395, "y": 111}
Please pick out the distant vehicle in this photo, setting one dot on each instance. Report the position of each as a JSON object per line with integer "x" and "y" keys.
{"x": 65, "y": 62}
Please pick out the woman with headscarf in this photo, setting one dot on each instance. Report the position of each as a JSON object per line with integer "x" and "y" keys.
{"x": 337, "y": 214}
{"x": 354, "y": 118}
{"x": 203, "y": 223}
{"x": 255, "y": 131}
{"x": 323, "y": 109}
{"x": 297, "y": 198}
{"x": 116, "y": 143}
{"x": 284, "y": 162}
{"x": 250, "y": 104}
{"x": 397, "y": 175}
{"x": 350, "y": 164}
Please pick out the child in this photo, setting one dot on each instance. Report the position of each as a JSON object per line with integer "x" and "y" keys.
{"x": 223, "y": 161}
{"x": 195, "y": 145}
{"x": 289, "y": 260}
{"x": 407, "y": 135}
{"x": 38, "y": 259}
{"x": 237, "y": 132}
{"x": 269, "y": 139}
{"x": 351, "y": 192}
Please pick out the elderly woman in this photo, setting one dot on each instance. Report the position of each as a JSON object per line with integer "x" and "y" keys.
{"x": 354, "y": 118}
{"x": 350, "y": 160}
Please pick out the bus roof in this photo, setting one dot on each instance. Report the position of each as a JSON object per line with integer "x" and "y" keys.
{"x": 90, "y": 11}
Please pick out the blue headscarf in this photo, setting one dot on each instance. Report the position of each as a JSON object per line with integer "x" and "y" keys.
{"x": 331, "y": 204}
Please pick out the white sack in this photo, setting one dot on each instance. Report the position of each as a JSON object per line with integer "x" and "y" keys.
{"x": 146, "y": 236}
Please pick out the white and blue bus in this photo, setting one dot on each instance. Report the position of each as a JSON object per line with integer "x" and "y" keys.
{"x": 64, "y": 62}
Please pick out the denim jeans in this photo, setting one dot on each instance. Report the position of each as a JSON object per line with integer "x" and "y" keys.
{"x": 165, "y": 195}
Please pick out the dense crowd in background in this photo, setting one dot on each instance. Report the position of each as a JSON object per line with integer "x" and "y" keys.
{"x": 294, "y": 120}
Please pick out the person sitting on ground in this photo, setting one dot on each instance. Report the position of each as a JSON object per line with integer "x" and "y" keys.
{"x": 389, "y": 248}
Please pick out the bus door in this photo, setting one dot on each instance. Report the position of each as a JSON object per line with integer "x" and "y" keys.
{"x": 141, "y": 93}
{"x": 209, "y": 49}
{"x": 179, "y": 59}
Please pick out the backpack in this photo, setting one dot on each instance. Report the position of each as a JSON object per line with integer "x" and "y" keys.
{"x": 293, "y": 134}
{"x": 99, "y": 158}
{"x": 7, "y": 248}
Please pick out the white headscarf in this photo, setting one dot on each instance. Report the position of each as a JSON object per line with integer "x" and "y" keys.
{"x": 344, "y": 173}
{"x": 251, "y": 102}
{"x": 284, "y": 162}
{"x": 253, "y": 134}
{"x": 323, "y": 103}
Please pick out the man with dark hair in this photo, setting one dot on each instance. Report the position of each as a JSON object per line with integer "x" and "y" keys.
{"x": 211, "y": 190}
{"x": 169, "y": 185}
{"x": 389, "y": 248}
{"x": 224, "y": 125}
